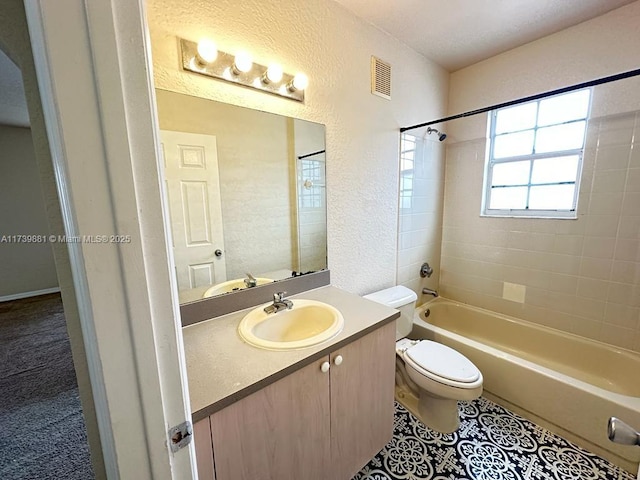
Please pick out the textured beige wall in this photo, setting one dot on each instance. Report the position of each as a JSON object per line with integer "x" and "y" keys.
{"x": 334, "y": 49}
{"x": 596, "y": 48}
{"x": 26, "y": 267}
{"x": 581, "y": 276}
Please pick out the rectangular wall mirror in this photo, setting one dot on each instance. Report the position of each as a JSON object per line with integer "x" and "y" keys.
{"x": 246, "y": 194}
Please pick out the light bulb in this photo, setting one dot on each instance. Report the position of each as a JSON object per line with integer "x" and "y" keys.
{"x": 273, "y": 74}
{"x": 299, "y": 82}
{"x": 242, "y": 63}
{"x": 207, "y": 51}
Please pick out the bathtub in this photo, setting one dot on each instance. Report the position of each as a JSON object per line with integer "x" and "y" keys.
{"x": 568, "y": 384}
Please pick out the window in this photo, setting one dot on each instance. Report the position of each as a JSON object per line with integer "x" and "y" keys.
{"x": 535, "y": 157}
{"x": 407, "y": 157}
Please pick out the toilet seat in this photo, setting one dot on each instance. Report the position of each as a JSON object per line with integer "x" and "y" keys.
{"x": 443, "y": 365}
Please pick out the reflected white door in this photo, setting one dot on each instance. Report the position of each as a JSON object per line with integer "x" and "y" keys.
{"x": 193, "y": 188}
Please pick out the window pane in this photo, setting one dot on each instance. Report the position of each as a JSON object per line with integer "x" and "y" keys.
{"x": 560, "y": 137}
{"x": 407, "y": 142}
{"x": 508, "y": 198}
{"x": 513, "y": 144}
{"x": 564, "y": 108}
{"x": 552, "y": 197}
{"x": 555, "y": 170}
{"x": 511, "y": 173}
{"x": 513, "y": 119}
{"x": 406, "y": 161}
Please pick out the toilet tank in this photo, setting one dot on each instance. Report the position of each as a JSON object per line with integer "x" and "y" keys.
{"x": 402, "y": 298}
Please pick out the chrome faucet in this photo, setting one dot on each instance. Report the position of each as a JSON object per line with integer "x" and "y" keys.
{"x": 279, "y": 303}
{"x": 250, "y": 281}
{"x": 428, "y": 291}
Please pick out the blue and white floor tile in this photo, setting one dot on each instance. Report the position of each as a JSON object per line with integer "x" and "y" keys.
{"x": 491, "y": 444}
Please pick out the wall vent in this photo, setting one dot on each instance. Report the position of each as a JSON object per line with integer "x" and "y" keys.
{"x": 380, "y": 78}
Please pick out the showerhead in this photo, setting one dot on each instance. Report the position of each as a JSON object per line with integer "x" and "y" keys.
{"x": 441, "y": 135}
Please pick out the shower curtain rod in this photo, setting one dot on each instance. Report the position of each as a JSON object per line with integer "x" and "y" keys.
{"x": 311, "y": 154}
{"x": 591, "y": 83}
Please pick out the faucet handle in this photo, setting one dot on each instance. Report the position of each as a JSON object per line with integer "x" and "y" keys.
{"x": 279, "y": 296}
{"x": 250, "y": 281}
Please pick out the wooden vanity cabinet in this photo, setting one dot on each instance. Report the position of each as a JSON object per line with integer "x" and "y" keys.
{"x": 362, "y": 388}
{"x": 311, "y": 424}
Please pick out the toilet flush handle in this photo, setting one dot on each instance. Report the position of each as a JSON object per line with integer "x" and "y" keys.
{"x": 338, "y": 360}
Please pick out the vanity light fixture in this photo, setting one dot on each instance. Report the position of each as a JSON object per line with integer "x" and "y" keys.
{"x": 207, "y": 52}
{"x": 298, "y": 83}
{"x": 205, "y": 58}
{"x": 273, "y": 74}
{"x": 242, "y": 63}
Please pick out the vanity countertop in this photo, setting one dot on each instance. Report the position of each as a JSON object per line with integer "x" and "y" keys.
{"x": 222, "y": 368}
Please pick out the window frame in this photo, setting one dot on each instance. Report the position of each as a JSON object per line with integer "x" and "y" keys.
{"x": 491, "y": 162}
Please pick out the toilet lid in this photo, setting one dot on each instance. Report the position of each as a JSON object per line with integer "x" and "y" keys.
{"x": 443, "y": 361}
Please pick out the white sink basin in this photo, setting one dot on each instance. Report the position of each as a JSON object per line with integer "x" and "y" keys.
{"x": 232, "y": 286}
{"x": 308, "y": 323}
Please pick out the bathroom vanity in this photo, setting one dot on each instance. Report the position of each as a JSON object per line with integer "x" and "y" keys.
{"x": 320, "y": 412}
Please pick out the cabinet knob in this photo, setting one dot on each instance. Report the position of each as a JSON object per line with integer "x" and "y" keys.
{"x": 325, "y": 367}
{"x": 338, "y": 360}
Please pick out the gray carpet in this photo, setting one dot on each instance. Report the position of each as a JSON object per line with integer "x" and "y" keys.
{"x": 42, "y": 432}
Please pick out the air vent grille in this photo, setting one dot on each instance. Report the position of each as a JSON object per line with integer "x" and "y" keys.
{"x": 380, "y": 78}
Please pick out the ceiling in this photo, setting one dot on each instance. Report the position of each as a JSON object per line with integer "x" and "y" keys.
{"x": 459, "y": 33}
{"x": 453, "y": 33}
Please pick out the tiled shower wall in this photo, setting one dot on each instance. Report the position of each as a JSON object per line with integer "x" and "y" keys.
{"x": 421, "y": 202}
{"x": 581, "y": 276}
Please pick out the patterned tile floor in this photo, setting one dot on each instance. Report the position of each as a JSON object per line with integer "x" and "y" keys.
{"x": 491, "y": 444}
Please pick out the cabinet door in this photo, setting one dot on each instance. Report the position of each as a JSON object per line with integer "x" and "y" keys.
{"x": 204, "y": 452}
{"x": 279, "y": 432}
{"x": 362, "y": 384}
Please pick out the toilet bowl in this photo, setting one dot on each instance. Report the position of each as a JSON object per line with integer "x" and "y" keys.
{"x": 436, "y": 376}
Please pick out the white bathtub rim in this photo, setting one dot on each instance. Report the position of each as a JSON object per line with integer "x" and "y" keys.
{"x": 626, "y": 401}
{"x": 534, "y": 325}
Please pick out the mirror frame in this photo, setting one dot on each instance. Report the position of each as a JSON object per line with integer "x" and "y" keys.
{"x": 212, "y": 307}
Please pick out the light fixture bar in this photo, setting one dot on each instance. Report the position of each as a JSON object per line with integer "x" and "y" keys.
{"x": 223, "y": 69}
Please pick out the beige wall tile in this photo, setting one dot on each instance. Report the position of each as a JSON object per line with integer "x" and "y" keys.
{"x": 623, "y": 337}
{"x": 633, "y": 180}
{"x": 599, "y": 268}
{"x": 563, "y": 283}
{"x": 591, "y": 287}
{"x": 590, "y": 308}
{"x": 605, "y": 204}
{"x": 625, "y": 272}
{"x": 609, "y": 181}
{"x": 578, "y": 274}
{"x": 599, "y": 247}
{"x": 621, "y": 315}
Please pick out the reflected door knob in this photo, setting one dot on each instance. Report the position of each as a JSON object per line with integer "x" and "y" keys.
{"x": 218, "y": 253}
{"x": 325, "y": 367}
{"x": 338, "y": 360}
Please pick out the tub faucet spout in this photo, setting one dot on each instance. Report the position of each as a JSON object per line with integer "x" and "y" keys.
{"x": 428, "y": 291}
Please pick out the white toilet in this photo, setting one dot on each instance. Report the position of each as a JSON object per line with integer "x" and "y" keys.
{"x": 435, "y": 374}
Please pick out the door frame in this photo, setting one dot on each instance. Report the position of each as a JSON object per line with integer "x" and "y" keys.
{"x": 96, "y": 84}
